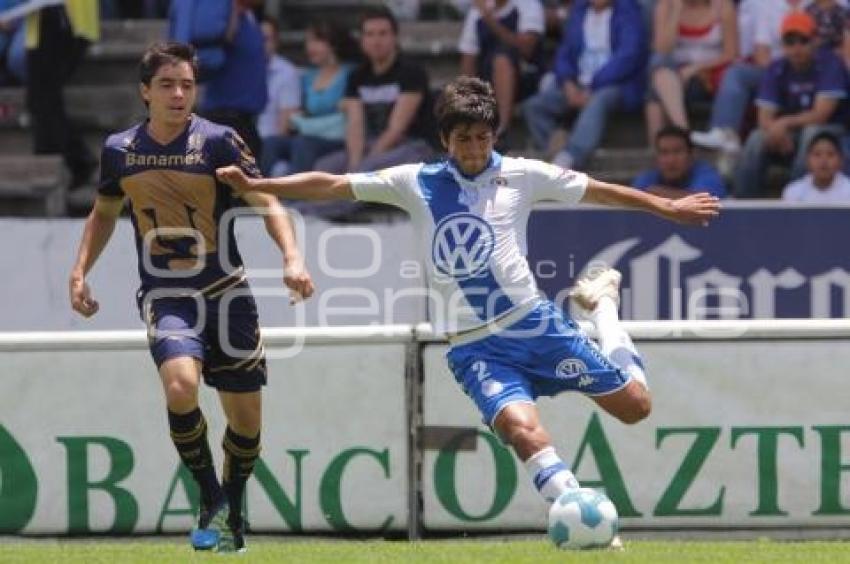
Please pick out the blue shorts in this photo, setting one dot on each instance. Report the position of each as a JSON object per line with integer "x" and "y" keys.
{"x": 542, "y": 354}
{"x": 226, "y": 338}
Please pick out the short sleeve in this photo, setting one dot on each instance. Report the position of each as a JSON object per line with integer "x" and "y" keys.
{"x": 551, "y": 182}
{"x": 768, "y": 94}
{"x": 413, "y": 79}
{"x": 706, "y": 179}
{"x": 468, "y": 43}
{"x": 531, "y": 17}
{"x": 236, "y": 152}
{"x": 109, "y": 184}
{"x": 832, "y": 78}
{"x": 396, "y": 186}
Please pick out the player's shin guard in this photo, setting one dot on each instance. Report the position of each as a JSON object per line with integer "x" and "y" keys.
{"x": 189, "y": 434}
{"x": 615, "y": 342}
{"x": 240, "y": 455}
{"x": 550, "y": 474}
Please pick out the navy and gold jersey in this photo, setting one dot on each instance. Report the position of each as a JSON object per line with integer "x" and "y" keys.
{"x": 184, "y": 235}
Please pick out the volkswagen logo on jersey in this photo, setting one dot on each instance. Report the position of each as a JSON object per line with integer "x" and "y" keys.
{"x": 462, "y": 247}
{"x": 570, "y": 368}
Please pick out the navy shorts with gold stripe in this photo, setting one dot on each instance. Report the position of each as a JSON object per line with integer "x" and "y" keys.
{"x": 222, "y": 332}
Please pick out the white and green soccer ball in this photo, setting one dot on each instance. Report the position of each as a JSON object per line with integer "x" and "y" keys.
{"x": 582, "y": 518}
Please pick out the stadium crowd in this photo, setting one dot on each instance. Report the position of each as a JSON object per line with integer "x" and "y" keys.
{"x": 767, "y": 78}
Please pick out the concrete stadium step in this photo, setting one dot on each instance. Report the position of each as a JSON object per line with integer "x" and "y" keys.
{"x": 620, "y": 165}
{"x": 33, "y": 185}
{"x": 105, "y": 108}
{"x": 298, "y": 13}
{"x": 18, "y": 140}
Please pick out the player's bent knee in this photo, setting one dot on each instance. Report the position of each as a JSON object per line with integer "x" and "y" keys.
{"x": 637, "y": 410}
{"x": 181, "y": 394}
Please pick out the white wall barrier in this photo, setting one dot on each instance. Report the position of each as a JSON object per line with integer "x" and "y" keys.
{"x": 750, "y": 429}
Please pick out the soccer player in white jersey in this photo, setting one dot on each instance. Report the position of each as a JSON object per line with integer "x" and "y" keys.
{"x": 508, "y": 345}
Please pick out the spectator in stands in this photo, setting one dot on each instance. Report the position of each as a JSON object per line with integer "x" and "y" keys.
{"x": 331, "y": 52}
{"x": 599, "y": 67}
{"x": 236, "y": 93}
{"x": 800, "y": 95}
{"x": 677, "y": 173}
{"x": 694, "y": 42}
{"x": 57, "y": 39}
{"x": 742, "y": 79}
{"x": 284, "y": 100}
{"x": 824, "y": 183}
{"x": 385, "y": 104}
{"x": 501, "y": 43}
{"x": 832, "y": 24}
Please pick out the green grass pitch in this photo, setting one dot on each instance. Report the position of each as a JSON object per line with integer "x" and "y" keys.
{"x": 268, "y": 549}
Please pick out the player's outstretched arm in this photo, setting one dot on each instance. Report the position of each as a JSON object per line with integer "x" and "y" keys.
{"x": 696, "y": 209}
{"x": 301, "y": 186}
{"x": 98, "y": 229}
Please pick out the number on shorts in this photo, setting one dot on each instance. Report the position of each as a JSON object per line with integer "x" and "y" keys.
{"x": 480, "y": 368}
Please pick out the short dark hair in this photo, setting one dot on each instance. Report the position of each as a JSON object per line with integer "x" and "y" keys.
{"x": 827, "y": 136}
{"x": 378, "y": 13}
{"x": 465, "y": 101}
{"x": 674, "y": 131}
{"x": 166, "y": 53}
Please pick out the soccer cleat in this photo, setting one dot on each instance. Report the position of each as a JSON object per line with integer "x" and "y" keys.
{"x": 232, "y": 539}
{"x": 211, "y": 522}
{"x": 594, "y": 286}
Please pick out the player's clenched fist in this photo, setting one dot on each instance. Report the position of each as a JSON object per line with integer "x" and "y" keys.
{"x": 233, "y": 176}
{"x": 298, "y": 279}
{"x": 81, "y": 300}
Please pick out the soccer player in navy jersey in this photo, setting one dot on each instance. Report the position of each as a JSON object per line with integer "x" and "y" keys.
{"x": 194, "y": 296}
{"x": 508, "y": 344}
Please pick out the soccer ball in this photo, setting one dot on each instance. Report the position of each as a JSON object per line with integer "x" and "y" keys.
{"x": 582, "y": 518}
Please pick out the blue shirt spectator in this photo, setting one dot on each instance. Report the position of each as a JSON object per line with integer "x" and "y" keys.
{"x": 790, "y": 90}
{"x": 677, "y": 173}
{"x": 800, "y": 95}
{"x": 628, "y": 52}
{"x": 318, "y": 102}
{"x": 599, "y": 67}
{"x": 702, "y": 177}
{"x": 237, "y": 92}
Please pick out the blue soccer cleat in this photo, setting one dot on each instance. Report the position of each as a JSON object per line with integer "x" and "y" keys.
{"x": 211, "y": 523}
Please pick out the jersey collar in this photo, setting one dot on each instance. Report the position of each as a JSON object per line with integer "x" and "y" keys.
{"x": 493, "y": 166}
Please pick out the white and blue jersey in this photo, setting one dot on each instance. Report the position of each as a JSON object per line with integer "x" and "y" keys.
{"x": 473, "y": 232}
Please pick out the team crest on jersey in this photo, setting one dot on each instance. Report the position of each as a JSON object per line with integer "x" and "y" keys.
{"x": 462, "y": 246}
{"x": 570, "y": 368}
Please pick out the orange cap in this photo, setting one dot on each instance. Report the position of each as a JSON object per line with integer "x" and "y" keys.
{"x": 800, "y": 23}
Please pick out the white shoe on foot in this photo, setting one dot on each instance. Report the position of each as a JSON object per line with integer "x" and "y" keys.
{"x": 717, "y": 138}
{"x": 594, "y": 286}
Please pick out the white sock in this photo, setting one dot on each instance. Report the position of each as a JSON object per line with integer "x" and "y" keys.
{"x": 550, "y": 474}
{"x": 615, "y": 342}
